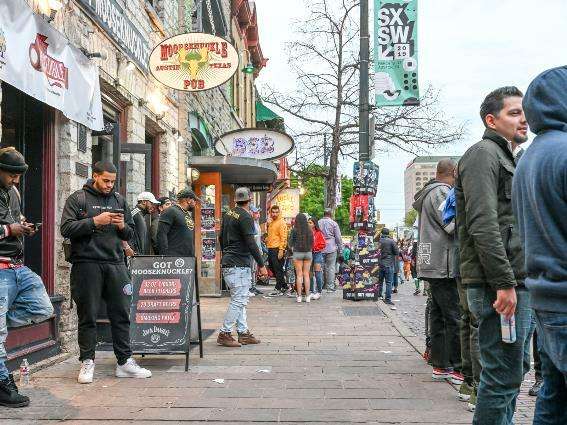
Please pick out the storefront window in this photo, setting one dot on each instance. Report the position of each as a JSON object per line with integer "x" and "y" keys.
{"x": 208, "y": 232}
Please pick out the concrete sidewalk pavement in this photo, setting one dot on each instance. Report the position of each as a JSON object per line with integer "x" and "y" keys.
{"x": 330, "y": 361}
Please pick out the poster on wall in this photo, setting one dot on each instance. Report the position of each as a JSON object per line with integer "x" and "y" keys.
{"x": 193, "y": 61}
{"x": 207, "y": 219}
{"x": 209, "y": 249}
{"x": 395, "y": 52}
{"x": 38, "y": 60}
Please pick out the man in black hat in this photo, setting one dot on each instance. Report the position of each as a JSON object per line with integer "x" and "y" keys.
{"x": 238, "y": 244}
{"x": 97, "y": 220}
{"x": 23, "y": 299}
{"x": 176, "y": 227}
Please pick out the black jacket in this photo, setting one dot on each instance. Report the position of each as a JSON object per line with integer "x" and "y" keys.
{"x": 10, "y": 247}
{"x": 90, "y": 244}
{"x": 388, "y": 252}
{"x": 490, "y": 245}
{"x": 140, "y": 241}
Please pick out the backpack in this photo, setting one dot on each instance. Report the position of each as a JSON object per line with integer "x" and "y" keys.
{"x": 83, "y": 204}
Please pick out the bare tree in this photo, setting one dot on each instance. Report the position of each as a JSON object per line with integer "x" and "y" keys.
{"x": 325, "y": 60}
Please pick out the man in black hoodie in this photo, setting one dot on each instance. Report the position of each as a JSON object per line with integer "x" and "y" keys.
{"x": 23, "y": 299}
{"x": 97, "y": 221}
{"x": 539, "y": 196}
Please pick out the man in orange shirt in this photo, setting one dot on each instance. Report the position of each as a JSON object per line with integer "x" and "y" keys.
{"x": 276, "y": 241}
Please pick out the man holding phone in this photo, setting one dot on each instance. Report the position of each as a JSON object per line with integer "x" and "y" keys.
{"x": 23, "y": 299}
{"x": 97, "y": 220}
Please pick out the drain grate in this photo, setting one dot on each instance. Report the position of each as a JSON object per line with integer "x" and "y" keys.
{"x": 362, "y": 311}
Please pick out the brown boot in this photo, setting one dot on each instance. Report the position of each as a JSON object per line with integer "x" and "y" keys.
{"x": 247, "y": 338}
{"x": 226, "y": 340}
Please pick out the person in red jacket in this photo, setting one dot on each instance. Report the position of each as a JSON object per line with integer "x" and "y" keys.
{"x": 318, "y": 246}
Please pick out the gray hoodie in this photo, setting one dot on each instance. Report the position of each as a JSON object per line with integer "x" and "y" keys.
{"x": 435, "y": 249}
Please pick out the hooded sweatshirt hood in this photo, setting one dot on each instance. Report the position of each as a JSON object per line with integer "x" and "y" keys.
{"x": 545, "y": 104}
{"x": 89, "y": 187}
{"x": 422, "y": 194}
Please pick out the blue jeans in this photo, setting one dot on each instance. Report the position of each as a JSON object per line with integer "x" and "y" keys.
{"x": 238, "y": 280}
{"x": 317, "y": 277}
{"x": 503, "y": 365}
{"x": 386, "y": 275}
{"x": 552, "y": 341}
{"x": 23, "y": 300}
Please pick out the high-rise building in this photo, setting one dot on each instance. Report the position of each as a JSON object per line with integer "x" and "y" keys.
{"x": 418, "y": 173}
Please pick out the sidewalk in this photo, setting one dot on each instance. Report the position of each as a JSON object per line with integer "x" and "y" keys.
{"x": 331, "y": 361}
{"x": 410, "y": 310}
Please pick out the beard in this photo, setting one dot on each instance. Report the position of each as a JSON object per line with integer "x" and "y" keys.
{"x": 518, "y": 139}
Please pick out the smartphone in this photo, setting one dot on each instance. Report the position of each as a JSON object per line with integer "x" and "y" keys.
{"x": 36, "y": 226}
{"x": 117, "y": 211}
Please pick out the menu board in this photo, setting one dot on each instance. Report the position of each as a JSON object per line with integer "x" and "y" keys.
{"x": 162, "y": 294}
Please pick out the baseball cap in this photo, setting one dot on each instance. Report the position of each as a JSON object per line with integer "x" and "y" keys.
{"x": 254, "y": 209}
{"x": 187, "y": 194}
{"x": 242, "y": 194}
{"x": 148, "y": 196}
{"x": 163, "y": 199}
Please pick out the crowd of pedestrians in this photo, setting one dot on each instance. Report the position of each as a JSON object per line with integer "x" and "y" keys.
{"x": 491, "y": 233}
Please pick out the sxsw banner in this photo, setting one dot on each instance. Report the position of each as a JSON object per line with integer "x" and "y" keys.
{"x": 38, "y": 60}
{"x": 395, "y": 52}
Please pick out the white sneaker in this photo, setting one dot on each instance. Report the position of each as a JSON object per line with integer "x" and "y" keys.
{"x": 251, "y": 294}
{"x": 87, "y": 372}
{"x": 316, "y": 296}
{"x": 131, "y": 369}
{"x": 298, "y": 299}
{"x": 308, "y": 298}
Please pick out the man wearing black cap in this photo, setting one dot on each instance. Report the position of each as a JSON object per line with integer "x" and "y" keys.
{"x": 238, "y": 244}
{"x": 97, "y": 220}
{"x": 23, "y": 299}
{"x": 176, "y": 227}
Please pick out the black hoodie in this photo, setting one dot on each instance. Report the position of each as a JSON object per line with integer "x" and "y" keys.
{"x": 90, "y": 244}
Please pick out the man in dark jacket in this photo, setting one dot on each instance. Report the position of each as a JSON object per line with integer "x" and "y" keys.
{"x": 239, "y": 249}
{"x": 164, "y": 203}
{"x": 492, "y": 261}
{"x": 23, "y": 299}
{"x": 539, "y": 196}
{"x": 141, "y": 241}
{"x": 176, "y": 228}
{"x": 388, "y": 253}
{"x": 435, "y": 265}
{"x": 97, "y": 221}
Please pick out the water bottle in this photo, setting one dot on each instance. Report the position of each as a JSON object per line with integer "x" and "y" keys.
{"x": 508, "y": 327}
{"x": 24, "y": 373}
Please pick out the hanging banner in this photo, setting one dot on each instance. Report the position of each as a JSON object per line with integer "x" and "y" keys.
{"x": 40, "y": 61}
{"x": 395, "y": 52}
{"x": 193, "y": 62}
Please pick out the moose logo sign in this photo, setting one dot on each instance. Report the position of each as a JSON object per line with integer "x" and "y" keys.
{"x": 193, "y": 61}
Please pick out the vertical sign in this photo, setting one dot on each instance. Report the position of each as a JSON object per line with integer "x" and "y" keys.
{"x": 395, "y": 51}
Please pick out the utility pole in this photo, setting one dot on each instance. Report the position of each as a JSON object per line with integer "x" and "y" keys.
{"x": 363, "y": 109}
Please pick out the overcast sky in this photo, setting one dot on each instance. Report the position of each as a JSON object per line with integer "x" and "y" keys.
{"x": 466, "y": 49}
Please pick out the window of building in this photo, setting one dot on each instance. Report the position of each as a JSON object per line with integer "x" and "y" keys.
{"x": 202, "y": 20}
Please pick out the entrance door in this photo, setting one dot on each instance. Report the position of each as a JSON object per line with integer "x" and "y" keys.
{"x": 207, "y": 219}
{"x": 131, "y": 156}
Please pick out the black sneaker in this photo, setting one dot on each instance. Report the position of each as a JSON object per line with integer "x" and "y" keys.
{"x": 256, "y": 291}
{"x": 536, "y": 387}
{"x": 9, "y": 395}
{"x": 388, "y": 302}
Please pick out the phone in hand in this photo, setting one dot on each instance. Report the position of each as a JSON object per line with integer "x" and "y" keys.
{"x": 36, "y": 226}
{"x": 117, "y": 211}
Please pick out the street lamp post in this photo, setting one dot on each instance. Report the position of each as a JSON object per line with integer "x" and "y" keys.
{"x": 363, "y": 110}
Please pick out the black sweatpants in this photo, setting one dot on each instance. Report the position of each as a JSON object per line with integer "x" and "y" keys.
{"x": 89, "y": 283}
{"x": 277, "y": 268}
{"x": 445, "y": 316}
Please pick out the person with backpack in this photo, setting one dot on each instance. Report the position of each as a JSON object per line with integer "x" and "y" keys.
{"x": 97, "y": 220}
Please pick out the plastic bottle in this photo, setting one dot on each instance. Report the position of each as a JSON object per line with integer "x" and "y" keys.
{"x": 508, "y": 327}
{"x": 24, "y": 373}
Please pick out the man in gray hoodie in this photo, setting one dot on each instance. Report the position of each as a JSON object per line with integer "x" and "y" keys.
{"x": 435, "y": 265}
